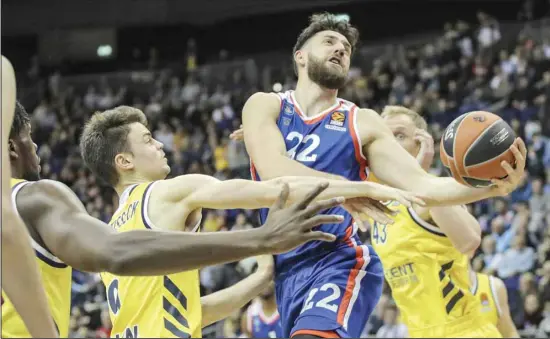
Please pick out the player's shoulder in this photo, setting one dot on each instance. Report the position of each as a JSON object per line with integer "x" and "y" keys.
{"x": 269, "y": 104}
{"x": 495, "y": 282}
{"x": 266, "y": 98}
{"x": 47, "y": 187}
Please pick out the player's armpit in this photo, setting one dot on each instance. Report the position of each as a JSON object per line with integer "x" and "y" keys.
{"x": 393, "y": 165}
{"x": 63, "y": 224}
{"x": 264, "y": 141}
{"x": 505, "y": 324}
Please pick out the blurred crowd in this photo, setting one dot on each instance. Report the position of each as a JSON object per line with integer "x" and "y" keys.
{"x": 470, "y": 66}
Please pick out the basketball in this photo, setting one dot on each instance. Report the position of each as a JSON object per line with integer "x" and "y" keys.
{"x": 473, "y": 147}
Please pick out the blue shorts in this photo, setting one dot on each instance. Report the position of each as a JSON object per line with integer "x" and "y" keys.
{"x": 332, "y": 294}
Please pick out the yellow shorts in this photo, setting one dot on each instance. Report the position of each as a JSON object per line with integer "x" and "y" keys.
{"x": 464, "y": 328}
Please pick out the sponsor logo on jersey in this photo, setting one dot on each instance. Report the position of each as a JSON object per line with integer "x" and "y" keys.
{"x": 485, "y": 306}
{"x": 288, "y": 110}
{"x": 286, "y": 121}
{"x": 337, "y": 121}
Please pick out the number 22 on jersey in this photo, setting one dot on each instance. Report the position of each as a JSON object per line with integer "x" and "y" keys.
{"x": 311, "y": 141}
{"x": 326, "y": 302}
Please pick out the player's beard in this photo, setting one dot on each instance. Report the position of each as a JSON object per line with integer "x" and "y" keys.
{"x": 324, "y": 76}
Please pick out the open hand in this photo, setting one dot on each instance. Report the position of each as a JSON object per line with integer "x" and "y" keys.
{"x": 507, "y": 185}
{"x": 287, "y": 228}
{"x": 426, "y": 153}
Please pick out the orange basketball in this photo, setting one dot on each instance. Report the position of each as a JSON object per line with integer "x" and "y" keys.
{"x": 473, "y": 147}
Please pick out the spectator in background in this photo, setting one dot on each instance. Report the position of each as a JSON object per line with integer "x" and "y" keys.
{"x": 517, "y": 259}
{"x": 391, "y": 328}
{"x": 503, "y": 237}
{"x": 532, "y": 316}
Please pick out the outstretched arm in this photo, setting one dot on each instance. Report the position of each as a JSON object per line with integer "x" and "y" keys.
{"x": 221, "y": 304}
{"x": 456, "y": 222}
{"x": 63, "y": 224}
{"x": 20, "y": 275}
{"x": 201, "y": 191}
{"x": 393, "y": 165}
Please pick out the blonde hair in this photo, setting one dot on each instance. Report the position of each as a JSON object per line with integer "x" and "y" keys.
{"x": 418, "y": 120}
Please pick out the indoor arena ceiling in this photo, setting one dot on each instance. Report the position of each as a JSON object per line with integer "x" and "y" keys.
{"x": 32, "y": 16}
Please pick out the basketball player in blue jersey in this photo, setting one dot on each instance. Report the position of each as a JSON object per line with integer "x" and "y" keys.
{"x": 329, "y": 290}
{"x": 119, "y": 149}
{"x": 261, "y": 319}
{"x": 64, "y": 235}
{"x": 20, "y": 275}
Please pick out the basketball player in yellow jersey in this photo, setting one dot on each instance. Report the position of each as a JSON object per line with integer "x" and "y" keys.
{"x": 425, "y": 252}
{"x": 64, "y": 235}
{"x": 20, "y": 275}
{"x": 491, "y": 293}
{"x": 118, "y": 148}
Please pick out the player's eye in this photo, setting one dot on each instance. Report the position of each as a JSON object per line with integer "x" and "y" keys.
{"x": 328, "y": 41}
{"x": 400, "y": 136}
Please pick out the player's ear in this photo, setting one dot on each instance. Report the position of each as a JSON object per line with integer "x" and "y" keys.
{"x": 124, "y": 161}
{"x": 300, "y": 58}
{"x": 12, "y": 149}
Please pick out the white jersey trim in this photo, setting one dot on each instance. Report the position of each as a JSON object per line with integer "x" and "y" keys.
{"x": 357, "y": 287}
{"x": 36, "y": 246}
{"x": 145, "y": 209}
{"x": 301, "y": 113}
{"x": 495, "y": 295}
{"x": 355, "y": 109}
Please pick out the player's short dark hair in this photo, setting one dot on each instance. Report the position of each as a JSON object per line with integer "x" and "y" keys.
{"x": 326, "y": 22}
{"x": 20, "y": 120}
{"x": 105, "y": 135}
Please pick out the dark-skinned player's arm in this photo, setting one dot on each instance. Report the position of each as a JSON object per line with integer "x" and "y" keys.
{"x": 505, "y": 324}
{"x": 393, "y": 165}
{"x": 265, "y": 144}
{"x": 221, "y": 304}
{"x": 88, "y": 244}
{"x": 20, "y": 276}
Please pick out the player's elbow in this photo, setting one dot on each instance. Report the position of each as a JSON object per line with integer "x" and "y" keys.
{"x": 470, "y": 243}
{"x": 111, "y": 256}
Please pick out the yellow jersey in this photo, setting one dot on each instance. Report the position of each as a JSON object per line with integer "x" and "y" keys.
{"x": 56, "y": 279}
{"x": 484, "y": 289}
{"x": 153, "y": 306}
{"x": 428, "y": 277}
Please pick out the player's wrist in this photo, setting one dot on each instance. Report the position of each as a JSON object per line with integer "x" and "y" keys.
{"x": 260, "y": 240}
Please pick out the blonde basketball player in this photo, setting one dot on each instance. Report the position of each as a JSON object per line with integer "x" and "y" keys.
{"x": 425, "y": 253}
{"x": 117, "y": 146}
{"x": 312, "y": 132}
{"x": 491, "y": 293}
{"x": 21, "y": 284}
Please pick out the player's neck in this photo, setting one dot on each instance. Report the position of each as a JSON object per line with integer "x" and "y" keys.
{"x": 131, "y": 180}
{"x": 269, "y": 306}
{"x": 313, "y": 98}
{"x": 15, "y": 174}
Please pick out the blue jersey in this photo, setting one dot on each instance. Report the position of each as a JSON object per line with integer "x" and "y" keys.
{"x": 327, "y": 142}
{"x": 261, "y": 326}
